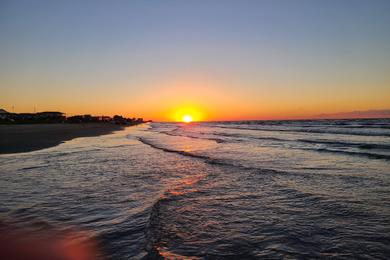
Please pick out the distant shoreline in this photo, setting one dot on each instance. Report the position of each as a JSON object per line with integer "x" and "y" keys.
{"x": 270, "y": 120}
{"x": 19, "y": 138}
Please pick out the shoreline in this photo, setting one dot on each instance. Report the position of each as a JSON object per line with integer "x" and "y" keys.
{"x": 23, "y": 138}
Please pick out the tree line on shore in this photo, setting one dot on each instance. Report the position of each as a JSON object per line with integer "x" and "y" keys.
{"x": 59, "y": 117}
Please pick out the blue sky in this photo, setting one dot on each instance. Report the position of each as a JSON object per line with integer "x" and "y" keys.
{"x": 335, "y": 54}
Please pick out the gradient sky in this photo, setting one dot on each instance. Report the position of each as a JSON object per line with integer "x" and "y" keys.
{"x": 216, "y": 59}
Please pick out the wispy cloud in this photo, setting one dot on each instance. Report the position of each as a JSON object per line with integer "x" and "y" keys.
{"x": 383, "y": 113}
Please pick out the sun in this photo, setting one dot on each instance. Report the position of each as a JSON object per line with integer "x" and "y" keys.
{"x": 186, "y": 114}
{"x": 187, "y": 119}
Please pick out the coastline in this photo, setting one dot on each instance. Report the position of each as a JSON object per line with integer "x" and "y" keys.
{"x": 31, "y": 137}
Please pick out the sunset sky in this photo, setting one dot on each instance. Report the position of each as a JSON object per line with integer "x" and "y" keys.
{"x": 217, "y": 60}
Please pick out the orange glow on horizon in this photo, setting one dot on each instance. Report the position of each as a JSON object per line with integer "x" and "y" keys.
{"x": 206, "y": 98}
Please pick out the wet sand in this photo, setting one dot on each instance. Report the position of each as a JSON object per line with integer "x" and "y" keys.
{"x": 30, "y": 137}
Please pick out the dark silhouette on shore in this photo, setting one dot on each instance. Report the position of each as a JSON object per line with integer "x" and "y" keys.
{"x": 60, "y": 117}
{"x": 24, "y": 132}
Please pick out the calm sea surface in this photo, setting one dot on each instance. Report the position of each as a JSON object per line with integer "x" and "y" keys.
{"x": 228, "y": 190}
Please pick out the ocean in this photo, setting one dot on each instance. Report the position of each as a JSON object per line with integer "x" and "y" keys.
{"x": 213, "y": 190}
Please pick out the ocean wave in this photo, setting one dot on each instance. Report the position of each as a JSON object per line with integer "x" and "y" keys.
{"x": 242, "y": 137}
{"x": 155, "y": 227}
{"x": 153, "y": 231}
{"x": 144, "y": 141}
{"x": 215, "y": 161}
{"x": 60, "y": 154}
{"x": 368, "y": 146}
{"x": 268, "y": 171}
{"x": 217, "y": 140}
{"x": 33, "y": 167}
{"x": 315, "y": 131}
{"x": 363, "y": 146}
{"x": 351, "y": 153}
{"x": 316, "y": 122}
{"x": 207, "y": 159}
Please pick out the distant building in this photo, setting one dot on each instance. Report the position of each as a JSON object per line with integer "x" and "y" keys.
{"x": 4, "y": 114}
{"x": 50, "y": 116}
{"x": 42, "y": 117}
{"x": 75, "y": 119}
{"x": 59, "y": 117}
{"x": 106, "y": 119}
{"x": 25, "y": 117}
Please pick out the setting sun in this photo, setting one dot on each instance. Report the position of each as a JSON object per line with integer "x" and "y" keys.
{"x": 186, "y": 114}
{"x": 187, "y": 119}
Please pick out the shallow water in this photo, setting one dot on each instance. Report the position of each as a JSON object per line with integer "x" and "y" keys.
{"x": 232, "y": 190}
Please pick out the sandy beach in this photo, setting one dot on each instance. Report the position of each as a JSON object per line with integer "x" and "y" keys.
{"x": 30, "y": 137}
